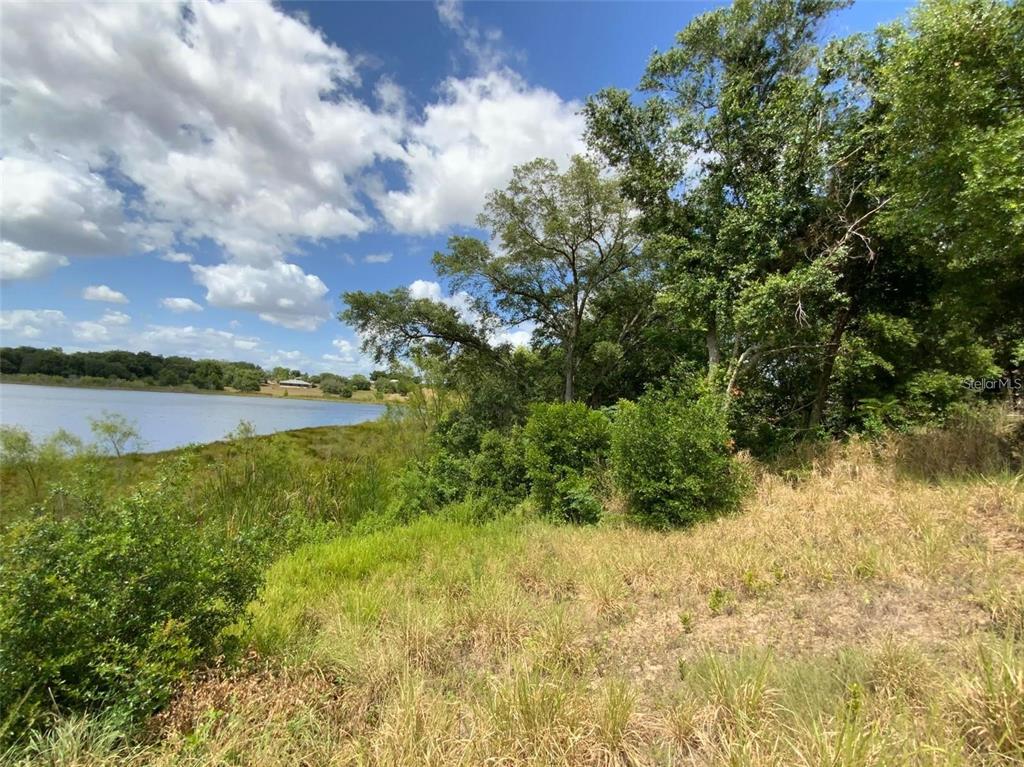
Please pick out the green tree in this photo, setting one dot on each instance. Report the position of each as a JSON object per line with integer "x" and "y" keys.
{"x": 562, "y": 237}
{"x": 724, "y": 159}
{"x": 360, "y": 382}
{"x": 34, "y": 460}
{"x": 950, "y": 86}
{"x": 245, "y": 379}
{"x": 114, "y": 431}
{"x": 208, "y": 374}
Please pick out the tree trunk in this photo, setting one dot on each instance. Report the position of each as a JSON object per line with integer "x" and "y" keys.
{"x": 825, "y": 377}
{"x": 714, "y": 354}
{"x": 570, "y": 372}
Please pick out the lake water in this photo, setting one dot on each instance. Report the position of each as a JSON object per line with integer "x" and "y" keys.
{"x": 167, "y": 420}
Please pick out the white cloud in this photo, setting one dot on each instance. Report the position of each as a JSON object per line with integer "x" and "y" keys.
{"x": 425, "y": 289}
{"x": 90, "y": 332}
{"x": 377, "y": 258}
{"x": 151, "y": 126}
{"x": 237, "y": 120}
{"x": 280, "y": 293}
{"x": 56, "y": 207}
{"x": 51, "y": 327}
{"x": 29, "y": 324}
{"x": 179, "y": 305}
{"x": 111, "y": 317}
{"x": 468, "y": 144}
{"x": 518, "y": 335}
{"x": 346, "y": 360}
{"x": 16, "y": 263}
{"x": 196, "y": 342}
{"x": 482, "y": 44}
{"x": 104, "y": 293}
{"x": 461, "y": 301}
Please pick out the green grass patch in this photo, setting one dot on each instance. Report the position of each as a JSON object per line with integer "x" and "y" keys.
{"x": 357, "y": 576}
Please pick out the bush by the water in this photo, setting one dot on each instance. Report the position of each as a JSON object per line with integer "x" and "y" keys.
{"x": 566, "y": 444}
{"x": 111, "y": 607}
{"x": 672, "y": 458}
{"x": 498, "y": 474}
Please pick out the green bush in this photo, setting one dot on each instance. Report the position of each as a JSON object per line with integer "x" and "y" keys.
{"x": 111, "y": 607}
{"x": 498, "y": 474}
{"x": 331, "y": 384}
{"x": 672, "y": 458}
{"x": 575, "y": 499}
{"x": 566, "y": 443}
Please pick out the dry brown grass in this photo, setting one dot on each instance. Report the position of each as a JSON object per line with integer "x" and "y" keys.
{"x": 853, "y": 616}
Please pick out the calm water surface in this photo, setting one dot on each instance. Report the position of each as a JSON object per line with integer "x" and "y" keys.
{"x": 167, "y": 420}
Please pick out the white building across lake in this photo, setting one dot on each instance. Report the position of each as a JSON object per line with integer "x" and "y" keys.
{"x": 296, "y": 382}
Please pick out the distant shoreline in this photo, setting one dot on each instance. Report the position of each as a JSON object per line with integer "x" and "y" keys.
{"x": 129, "y": 386}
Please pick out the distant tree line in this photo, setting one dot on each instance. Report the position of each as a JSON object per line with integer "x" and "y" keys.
{"x": 155, "y": 370}
{"x": 133, "y": 367}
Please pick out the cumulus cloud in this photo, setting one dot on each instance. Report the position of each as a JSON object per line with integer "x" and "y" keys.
{"x": 111, "y": 317}
{"x": 377, "y": 258}
{"x": 153, "y": 126}
{"x": 279, "y": 293}
{"x": 16, "y": 263}
{"x": 104, "y": 293}
{"x": 196, "y": 342}
{"x": 468, "y": 144}
{"x": 51, "y": 327}
{"x": 29, "y": 324}
{"x": 55, "y": 207}
{"x": 461, "y": 302}
{"x": 347, "y": 359}
{"x": 519, "y": 335}
{"x": 179, "y": 305}
{"x": 237, "y": 120}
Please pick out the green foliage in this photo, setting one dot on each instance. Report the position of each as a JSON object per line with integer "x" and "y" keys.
{"x": 336, "y": 385}
{"x": 112, "y": 607}
{"x": 498, "y": 474}
{"x": 114, "y": 432}
{"x": 208, "y": 374}
{"x": 34, "y": 460}
{"x": 113, "y": 368}
{"x": 672, "y": 458}
{"x": 244, "y": 379}
{"x": 950, "y": 85}
{"x": 566, "y": 444}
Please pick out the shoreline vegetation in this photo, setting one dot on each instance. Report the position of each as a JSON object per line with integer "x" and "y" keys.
{"x": 861, "y": 606}
{"x": 266, "y": 390}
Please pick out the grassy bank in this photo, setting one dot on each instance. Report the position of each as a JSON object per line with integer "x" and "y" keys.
{"x": 848, "y": 614}
{"x": 261, "y": 471}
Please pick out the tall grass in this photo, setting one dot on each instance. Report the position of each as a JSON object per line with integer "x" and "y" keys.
{"x": 850, "y": 614}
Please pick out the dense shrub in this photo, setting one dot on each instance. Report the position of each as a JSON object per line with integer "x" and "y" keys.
{"x": 331, "y": 384}
{"x": 498, "y": 474}
{"x": 112, "y": 607}
{"x": 672, "y": 458}
{"x": 566, "y": 443}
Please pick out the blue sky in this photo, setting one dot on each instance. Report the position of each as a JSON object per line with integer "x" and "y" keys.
{"x": 208, "y": 179}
